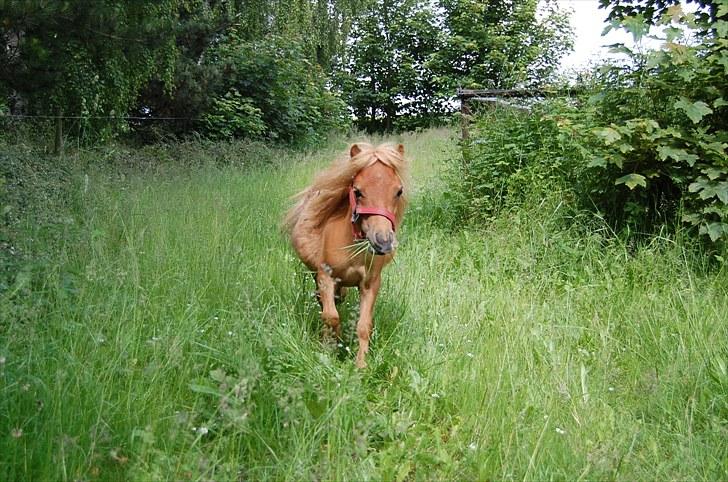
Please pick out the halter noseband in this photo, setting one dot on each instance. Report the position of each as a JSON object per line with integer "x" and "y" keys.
{"x": 357, "y": 211}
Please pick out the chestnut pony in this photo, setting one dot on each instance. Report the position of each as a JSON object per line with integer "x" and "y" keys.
{"x": 343, "y": 228}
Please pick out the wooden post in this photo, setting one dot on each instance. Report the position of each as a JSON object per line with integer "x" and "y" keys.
{"x": 58, "y": 141}
{"x": 464, "y": 118}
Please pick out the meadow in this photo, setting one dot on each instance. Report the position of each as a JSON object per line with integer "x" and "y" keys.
{"x": 171, "y": 334}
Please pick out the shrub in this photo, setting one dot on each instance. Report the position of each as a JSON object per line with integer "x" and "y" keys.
{"x": 272, "y": 90}
{"x": 515, "y": 156}
{"x": 656, "y": 130}
{"x": 645, "y": 146}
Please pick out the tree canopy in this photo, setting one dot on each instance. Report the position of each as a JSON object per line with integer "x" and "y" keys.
{"x": 270, "y": 69}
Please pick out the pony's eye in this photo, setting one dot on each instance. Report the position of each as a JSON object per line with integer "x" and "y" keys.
{"x": 399, "y": 193}
{"x": 357, "y": 193}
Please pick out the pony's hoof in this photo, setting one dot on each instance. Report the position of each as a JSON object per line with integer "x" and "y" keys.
{"x": 330, "y": 335}
{"x": 361, "y": 364}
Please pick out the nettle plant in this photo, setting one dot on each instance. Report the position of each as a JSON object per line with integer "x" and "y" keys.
{"x": 658, "y": 128}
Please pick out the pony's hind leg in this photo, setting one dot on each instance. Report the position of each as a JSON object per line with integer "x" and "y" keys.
{"x": 326, "y": 292}
{"x": 339, "y": 294}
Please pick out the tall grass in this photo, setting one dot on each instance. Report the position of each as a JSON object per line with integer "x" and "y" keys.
{"x": 176, "y": 337}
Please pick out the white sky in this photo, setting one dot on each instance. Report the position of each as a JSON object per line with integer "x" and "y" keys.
{"x": 588, "y": 22}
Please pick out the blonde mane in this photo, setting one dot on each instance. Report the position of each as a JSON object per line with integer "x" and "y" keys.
{"x": 328, "y": 195}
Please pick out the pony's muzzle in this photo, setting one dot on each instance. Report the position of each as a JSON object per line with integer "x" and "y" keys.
{"x": 382, "y": 243}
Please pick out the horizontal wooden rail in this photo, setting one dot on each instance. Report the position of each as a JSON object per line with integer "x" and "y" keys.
{"x": 474, "y": 93}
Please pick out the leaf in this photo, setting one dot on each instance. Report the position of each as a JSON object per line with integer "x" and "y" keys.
{"x": 404, "y": 471}
{"x": 597, "y": 162}
{"x": 713, "y": 173}
{"x": 715, "y": 230}
{"x": 696, "y": 186}
{"x": 674, "y": 13}
{"x": 218, "y": 375}
{"x": 695, "y": 110}
{"x": 722, "y": 192}
{"x": 676, "y": 153}
{"x": 608, "y": 134}
{"x": 198, "y": 388}
{"x": 721, "y": 28}
{"x": 620, "y": 49}
{"x": 632, "y": 181}
{"x": 722, "y": 9}
{"x": 636, "y": 25}
{"x": 719, "y": 102}
{"x": 624, "y": 148}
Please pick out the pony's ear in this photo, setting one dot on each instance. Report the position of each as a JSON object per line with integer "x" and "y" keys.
{"x": 400, "y": 149}
{"x": 354, "y": 151}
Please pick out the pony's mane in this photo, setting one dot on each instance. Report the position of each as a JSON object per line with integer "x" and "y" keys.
{"x": 328, "y": 195}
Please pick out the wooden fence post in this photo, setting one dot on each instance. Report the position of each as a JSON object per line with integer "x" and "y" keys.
{"x": 464, "y": 118}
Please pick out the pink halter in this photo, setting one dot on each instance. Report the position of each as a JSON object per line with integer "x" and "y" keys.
{"x": 357, "y": 211}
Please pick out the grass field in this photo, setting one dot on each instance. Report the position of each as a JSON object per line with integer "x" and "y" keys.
{"x": 173, "y": 335}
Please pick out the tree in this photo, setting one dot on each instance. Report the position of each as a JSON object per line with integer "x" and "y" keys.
{"x": 501, "y": 43}
{"x": 85, "y": 58}
{"x": 387, "y": 73}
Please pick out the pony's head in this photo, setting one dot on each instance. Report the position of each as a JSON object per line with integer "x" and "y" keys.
{"x": 376, "y": 195}
{"x": 368, "y": 179}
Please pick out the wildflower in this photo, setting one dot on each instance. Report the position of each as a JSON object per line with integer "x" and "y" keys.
{"x": 560, "y": 431}
{"x": 203, "y": 430}
{"x": 435, "y": 395}
{"x": 469, "y": 355}
{"x": 16, "y": 432}
{"x": 2, "y": 360}
{"x": 473, "y": 446}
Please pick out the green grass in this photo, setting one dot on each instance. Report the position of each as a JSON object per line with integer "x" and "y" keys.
{"x": 175, "y": 337}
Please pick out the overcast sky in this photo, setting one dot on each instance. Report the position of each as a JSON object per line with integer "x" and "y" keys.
{"x": 588, "y": 22}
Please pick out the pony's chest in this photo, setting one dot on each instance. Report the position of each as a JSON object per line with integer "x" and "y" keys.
{"x": 358, "y": 271}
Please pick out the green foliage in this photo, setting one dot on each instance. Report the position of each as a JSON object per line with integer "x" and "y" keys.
{"x": 85, "y": 58}
{"x": 501, "y": 43}
{"x": 271, "y": 82}
{"x": 201, "y": 80}
{"x": 234, "y": 116}
{"x": 387, "y": 78}
{"x": 657, "y": 129}
{"x": 514, "y": 157}
{"x": 645, "y": 145}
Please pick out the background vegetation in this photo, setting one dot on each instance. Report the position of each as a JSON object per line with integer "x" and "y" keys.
{"x": 210, "y": 64}
{"x": 644, "y": 145}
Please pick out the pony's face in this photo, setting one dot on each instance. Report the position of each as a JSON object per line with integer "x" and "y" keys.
{"x": 378, "y": 186}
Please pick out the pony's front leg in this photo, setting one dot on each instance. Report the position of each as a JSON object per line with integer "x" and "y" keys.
{"x": 326, "y": 291}
{"x": 368, "y": 295}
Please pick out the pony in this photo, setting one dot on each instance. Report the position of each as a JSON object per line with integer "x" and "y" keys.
{"x": 343, "y": 227}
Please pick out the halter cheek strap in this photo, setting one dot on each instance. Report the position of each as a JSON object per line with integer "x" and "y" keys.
{"x": 357, "y": 211}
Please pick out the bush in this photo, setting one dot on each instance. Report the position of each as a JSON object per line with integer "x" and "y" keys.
{"x": 272, "y": 90}
{"x": 515, "y": 156}
{"x": 656, "y": 131}
{"x": 645, "y": 146}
